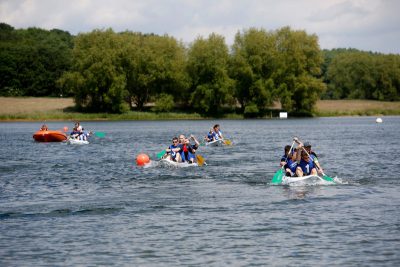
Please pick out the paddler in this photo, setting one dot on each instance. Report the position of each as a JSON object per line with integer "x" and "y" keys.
{"x": 305, "y": 164}
{"x": 288, "y": 161}
{"x": 307, "y": 147}
{"x": 190, "y": 149}
{"x": 217, "y": 132}
{"x": 173, "y": 151}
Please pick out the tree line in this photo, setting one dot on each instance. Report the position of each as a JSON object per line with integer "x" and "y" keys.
{"x": 107, "y": 71}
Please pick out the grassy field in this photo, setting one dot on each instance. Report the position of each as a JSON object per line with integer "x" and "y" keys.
{"x": 41, "y": 109}
{"x": 326, "y": 108}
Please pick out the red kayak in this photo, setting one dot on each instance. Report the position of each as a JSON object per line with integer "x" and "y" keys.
{"x": 49, "y": 136}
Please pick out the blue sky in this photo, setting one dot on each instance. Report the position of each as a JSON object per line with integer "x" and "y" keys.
{"x": 372, "y": 25}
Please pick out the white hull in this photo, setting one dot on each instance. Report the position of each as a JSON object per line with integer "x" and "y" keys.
{"x": 73, "y": 141}
{"x": 309, "y": 178}
{"x": 215, "y": 143}
{"x": 170, "y": 163}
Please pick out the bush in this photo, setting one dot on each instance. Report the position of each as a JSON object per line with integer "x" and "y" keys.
{"x": 251, "y": 111}
{"x": 164, "y": 103}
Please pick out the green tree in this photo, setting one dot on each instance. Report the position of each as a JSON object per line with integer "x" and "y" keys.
{"x": 252, "y": 64}
{"x": 153, "y": 65}
{"x": 97, "y": 79}
{"x": 32, "y": 60}
{"x": 208, "y": 70}
{"x": 298, "y": 70}
{"x": 364, "y": 75}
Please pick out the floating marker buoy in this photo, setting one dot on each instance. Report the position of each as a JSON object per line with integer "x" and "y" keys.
{"x": 142, "y": 159}
{"x": 379, "y": 120}
{"x": 65, "y": 128}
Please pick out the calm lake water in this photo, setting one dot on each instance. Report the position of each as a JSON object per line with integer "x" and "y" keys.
{"x": 91, "y": 206}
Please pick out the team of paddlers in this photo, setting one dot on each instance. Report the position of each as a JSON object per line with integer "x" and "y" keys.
{"x": 300, "y": 161}
{"x": 78, "y": 132}
{"x": 297, "y": 161}
{"x": 183, "y": 150}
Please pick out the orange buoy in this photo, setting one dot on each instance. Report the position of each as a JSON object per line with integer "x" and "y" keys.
{"x": 65, "y": 129}
{"x": 142, "y": 159}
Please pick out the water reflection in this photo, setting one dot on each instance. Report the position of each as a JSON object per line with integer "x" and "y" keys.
{"x": 300, "y": 192}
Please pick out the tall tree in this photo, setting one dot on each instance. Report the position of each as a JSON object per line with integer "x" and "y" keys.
{"x": 298, "y": 71}
{"x": 252, "y": 64}
{"x": 153, "y": 65}
{"x": 97, "y": 79}
{"x": 208, "y": 70}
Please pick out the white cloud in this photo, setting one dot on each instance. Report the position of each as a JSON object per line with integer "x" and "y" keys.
{"x": 363, "y": 24}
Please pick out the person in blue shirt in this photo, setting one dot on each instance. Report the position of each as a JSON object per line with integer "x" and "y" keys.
{"x": 217, "y": 132}
{"x": 288, "y": 161}
{"x": 189, "y": 149}
{"x": 307, "y": 147}
{"x": 173, "y": 151}
{"x": 210, "y": 136}
{"x": 305, "y": 164}
{"x": 285, "y": 156}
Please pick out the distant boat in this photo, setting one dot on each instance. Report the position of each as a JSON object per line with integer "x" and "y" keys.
{"x": 49, "y": 136}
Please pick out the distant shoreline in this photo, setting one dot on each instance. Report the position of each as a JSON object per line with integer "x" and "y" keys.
{"x": 53, "y": 109}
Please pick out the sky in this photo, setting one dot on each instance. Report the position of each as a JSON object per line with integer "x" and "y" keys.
{"x": 370, "y": 25}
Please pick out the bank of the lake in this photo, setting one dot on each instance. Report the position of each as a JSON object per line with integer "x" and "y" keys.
{"x": 59, "y": 109}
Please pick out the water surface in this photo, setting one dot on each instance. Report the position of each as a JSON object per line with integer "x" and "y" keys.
{"x": 90, "y": 205}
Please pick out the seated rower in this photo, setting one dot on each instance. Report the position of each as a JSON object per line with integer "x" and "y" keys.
{"x": 189, "y": 149}
{"x": 173, "y": 151}
{"x": 44, "y": 128}
{"x": 288, "y": 161}
{"x": 75, "y": 133}
{"x": 285, "y": 156}
{"x": 305, "y": 164}
{"x": 217, "y": 132}
{"x": 210, "y": 136}
{"x": 307, "y": 147}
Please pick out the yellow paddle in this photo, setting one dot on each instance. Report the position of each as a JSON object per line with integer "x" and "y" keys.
{"x": 227, "y": 142}
{"x": 200, "y": 160}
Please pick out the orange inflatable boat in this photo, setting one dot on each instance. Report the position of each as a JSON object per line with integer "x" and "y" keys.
{"x": 49, "y": 136}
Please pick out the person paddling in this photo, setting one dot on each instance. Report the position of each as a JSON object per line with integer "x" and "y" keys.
{"x": 305, "y": 164}
{"x": 210, "y": 136}
{"x": 173, "y": 151}
{"x": 44, "y": 128}
{"x": 190, "y": 149}
{"x": 307, "y": 147}
{"x": 217, "y": 133}
{"x": 288, "y": 161}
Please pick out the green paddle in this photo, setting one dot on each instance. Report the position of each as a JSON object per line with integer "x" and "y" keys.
{"x": 326, "y": 177}
{"x": 100, "y": 134}
{"x": 277, "y": 179}
{"x": 160, "y": 154}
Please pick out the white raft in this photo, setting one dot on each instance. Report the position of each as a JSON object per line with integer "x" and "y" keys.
{"x": 304, "y": 179}
{"x": 218, "y": 142}
{"x": 74, "y": 141}
{"x": 170, "y": 163}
